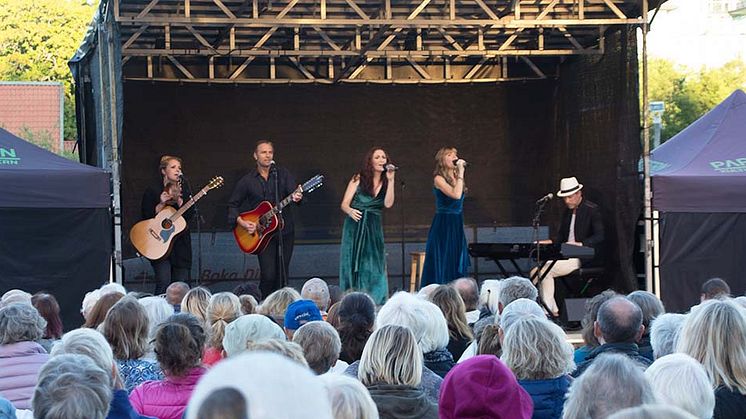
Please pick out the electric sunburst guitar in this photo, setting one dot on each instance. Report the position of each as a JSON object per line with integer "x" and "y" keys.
{"x": 153, "y": 238}
{"x": 266, "y": 219}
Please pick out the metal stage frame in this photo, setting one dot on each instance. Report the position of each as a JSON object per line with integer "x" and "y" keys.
{"x": 376, "y": 41}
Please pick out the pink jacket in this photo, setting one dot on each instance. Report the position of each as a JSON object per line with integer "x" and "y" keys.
{"x": 19, "y": 370}
{"x": 166, "y": 399}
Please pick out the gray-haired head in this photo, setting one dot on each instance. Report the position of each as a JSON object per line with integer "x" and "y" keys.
{"x": 652, "y": 411}
{"x": 619, "y": 379}
{"x": 266, "y": 382}
{"x": 425, "y": 291}
{"x": 90, "y": 300}
{"x": 15, "y": 296}
{"x": 72, "y": 386}
{"x": 537, "y": 349}
{"x": 514, "y": 288}
{"x": 404, "y": 309}
{"x": 249, "y": 328}
{"x": 321, "y": 345}
{"x": 20, "y": 322}
{"x": 619, "y": 321}
{"x": 316, "y": 290}
{"x": 349, "y": 398}
{"x": 664, "y": 333}
{"x": 681, "y": 381}
{"x": 520, "y": 309}
{"x": 90, "y": 343}
{"x": 112, "y": 287}
{"x": 469, "y": 291}
{"x": 650, "y": 305}
{"x": 435, "y": 335}
{"x": 489, "y": 295}
{"x": 158, "y": 310}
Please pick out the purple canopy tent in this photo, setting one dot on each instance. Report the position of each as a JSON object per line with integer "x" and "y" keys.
{"x": 55, "y": 224}
{"x": 699, "y": 186}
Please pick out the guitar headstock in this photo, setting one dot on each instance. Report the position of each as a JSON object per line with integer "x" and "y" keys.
{"x": 216, "y": 182}
{"x": 313, "y": 183}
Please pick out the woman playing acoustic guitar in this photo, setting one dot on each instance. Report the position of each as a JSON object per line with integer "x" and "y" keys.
{"x": 175, "y": 265}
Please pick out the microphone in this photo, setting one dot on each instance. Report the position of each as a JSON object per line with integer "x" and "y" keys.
{"x": 544, "y": 199}
{"x": 391, "y": 168}
{"x": 455, "y": 161}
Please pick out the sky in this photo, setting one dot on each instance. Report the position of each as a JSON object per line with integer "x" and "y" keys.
{"x": 697, "y": 33}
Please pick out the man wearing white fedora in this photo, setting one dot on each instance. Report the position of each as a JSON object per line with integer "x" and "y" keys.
{"x": 581, "y": 225}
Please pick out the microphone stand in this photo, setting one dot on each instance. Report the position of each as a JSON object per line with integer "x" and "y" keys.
{"x": 196, "y": 216}
{"x": 538, "y": 274}
{"x": 280, "y": 244}
{"x": 403, "y": 186}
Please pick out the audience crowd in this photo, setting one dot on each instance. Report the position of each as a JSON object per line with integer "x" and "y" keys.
{"x": 454, "y": 351}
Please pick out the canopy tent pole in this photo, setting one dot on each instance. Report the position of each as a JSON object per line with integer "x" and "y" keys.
{"x": 649, "y": 240}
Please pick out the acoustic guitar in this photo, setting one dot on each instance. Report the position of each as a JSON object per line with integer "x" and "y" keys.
{"x": 153, "y": 238}
{"x": 265, "y": 215}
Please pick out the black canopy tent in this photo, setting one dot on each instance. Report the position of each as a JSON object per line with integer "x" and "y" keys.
{"x": 699, "y": 179}
{"x": 55, "y": 224}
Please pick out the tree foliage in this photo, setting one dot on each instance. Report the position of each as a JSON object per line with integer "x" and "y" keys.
{"x": 37, "y": 38}
{"x": 690, "y": 94}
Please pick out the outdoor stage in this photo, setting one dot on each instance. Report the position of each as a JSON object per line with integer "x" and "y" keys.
{"x": 528, "y": 93}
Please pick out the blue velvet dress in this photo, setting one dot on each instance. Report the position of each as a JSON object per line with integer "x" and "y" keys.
{"x": 447, "y": 253}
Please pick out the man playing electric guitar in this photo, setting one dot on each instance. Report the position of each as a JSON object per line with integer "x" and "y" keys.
{"x": 257, "y": 186}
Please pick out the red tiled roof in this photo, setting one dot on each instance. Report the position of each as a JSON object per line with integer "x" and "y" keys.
{"x": 32, "y": 105}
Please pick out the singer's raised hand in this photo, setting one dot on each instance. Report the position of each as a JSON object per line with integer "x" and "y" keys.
{"x": 390, "y": 175}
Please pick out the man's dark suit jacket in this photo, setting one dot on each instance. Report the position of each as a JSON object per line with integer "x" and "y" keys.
{"x": 589, "y": 228}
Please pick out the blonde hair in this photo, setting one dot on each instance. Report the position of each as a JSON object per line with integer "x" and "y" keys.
{"x": 391, "y": 356}
{"x": 167, "y": 158}
{"x": 536, "y": 349}
{"x": 715, "y": 335}
{"x": 195, "y": 302}
{"x": 276, "y": 304}
{"x": 452, "y": 305}
{"x": 448, "y": 173}
{"x": 224, "y": 307}
{"x": 290, "y": 350}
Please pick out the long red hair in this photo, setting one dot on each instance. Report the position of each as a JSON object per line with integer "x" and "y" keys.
{"x": 366, "y": 172}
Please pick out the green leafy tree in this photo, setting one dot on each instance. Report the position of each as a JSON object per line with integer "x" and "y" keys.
{"x": 37, "y": 38}
{"x": 690, "y": 94}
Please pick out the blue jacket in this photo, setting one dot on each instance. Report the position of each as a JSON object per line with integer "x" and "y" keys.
{"x": 548, "y": 396}
{"x": 120, "y": 407}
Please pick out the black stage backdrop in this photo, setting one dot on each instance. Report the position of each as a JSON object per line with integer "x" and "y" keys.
{"x": 696, "y": 247}
{"x": 520, "y": 138}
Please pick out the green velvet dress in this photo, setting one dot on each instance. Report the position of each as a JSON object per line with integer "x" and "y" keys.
{"x": 362, "y": 259}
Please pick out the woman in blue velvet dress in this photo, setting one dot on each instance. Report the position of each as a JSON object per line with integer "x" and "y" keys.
{"x": 447, "y": 256}
{"x": 362, "y": 261}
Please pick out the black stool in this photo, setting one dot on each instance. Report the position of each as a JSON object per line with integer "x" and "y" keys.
{"x": 583, "y": 278}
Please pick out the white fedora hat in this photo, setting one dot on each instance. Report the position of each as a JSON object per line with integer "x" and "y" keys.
{"x": 569, "y": 186}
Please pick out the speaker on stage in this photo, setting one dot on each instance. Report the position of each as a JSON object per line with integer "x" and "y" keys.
{"x": 575, "y": 308}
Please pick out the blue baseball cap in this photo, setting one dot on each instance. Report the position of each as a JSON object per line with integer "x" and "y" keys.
{"x": 301, "y": 312}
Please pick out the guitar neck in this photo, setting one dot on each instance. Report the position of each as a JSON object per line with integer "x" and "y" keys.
{"x": 184, "y": 208}
{"x": 277, "y": 208}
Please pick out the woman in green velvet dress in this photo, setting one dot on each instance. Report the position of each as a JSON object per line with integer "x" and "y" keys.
{"x": 362, "y": 262}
